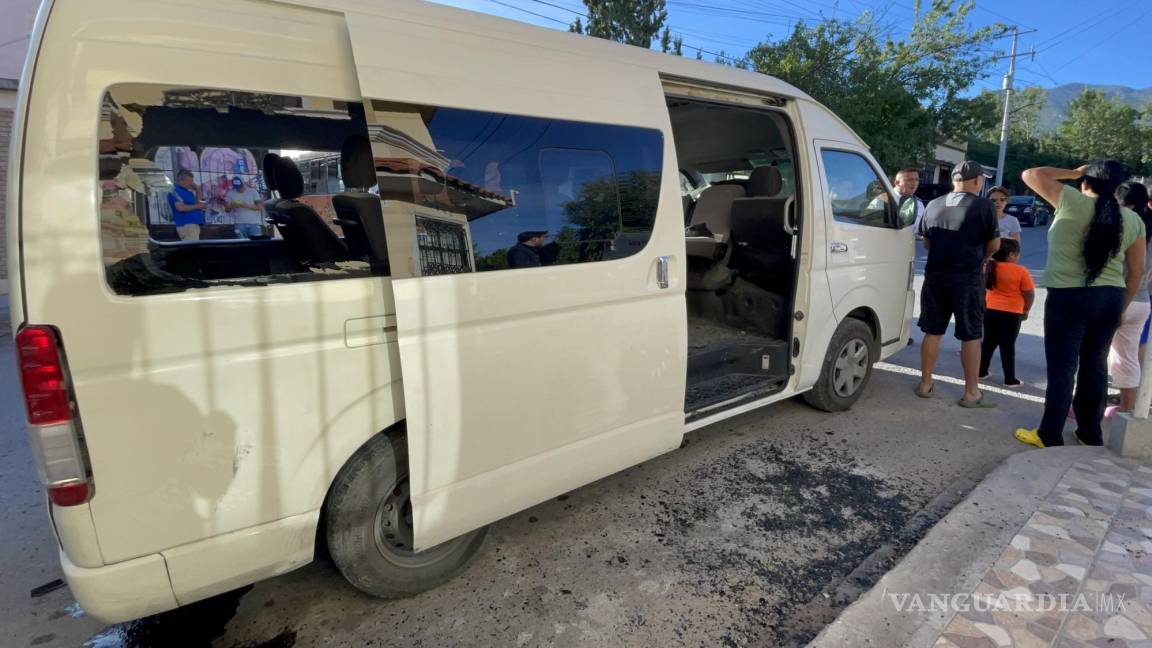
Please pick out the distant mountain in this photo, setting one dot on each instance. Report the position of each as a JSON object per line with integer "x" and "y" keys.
{"x": 1060, "y": 96}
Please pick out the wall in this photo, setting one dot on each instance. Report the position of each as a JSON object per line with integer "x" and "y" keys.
{"x": 14, "y": 32}
{"x": 7, "y": 104}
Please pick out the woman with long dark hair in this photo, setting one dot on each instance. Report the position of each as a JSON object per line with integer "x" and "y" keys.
{"x": 1096, "y": 253}
{"x": 1125, "y": 359}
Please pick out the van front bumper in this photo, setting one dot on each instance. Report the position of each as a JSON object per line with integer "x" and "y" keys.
{"x": 123, "y": 591}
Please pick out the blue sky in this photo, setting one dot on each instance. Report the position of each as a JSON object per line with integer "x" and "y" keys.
{"x": 1098, "y": 42}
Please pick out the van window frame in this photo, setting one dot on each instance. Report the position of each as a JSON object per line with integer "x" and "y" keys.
{"x": 891, "y": 214}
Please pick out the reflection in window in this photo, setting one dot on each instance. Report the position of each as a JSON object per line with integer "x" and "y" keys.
{"x": 443, "y": 247}
{"x": 184, "y": 199}
{"x": 858, "y": 195}
{"x": 568, "y": 191}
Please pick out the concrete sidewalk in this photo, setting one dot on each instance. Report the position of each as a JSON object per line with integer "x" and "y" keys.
{"x": 1054, "y": 548}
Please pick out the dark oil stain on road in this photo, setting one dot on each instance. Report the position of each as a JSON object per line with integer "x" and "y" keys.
{"x": 773, "y": 525}
{"x": 197, "y": 625}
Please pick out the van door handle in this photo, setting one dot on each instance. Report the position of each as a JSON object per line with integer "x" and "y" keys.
{"x": 839, "y": 248}
{"x": 662, "y": 272}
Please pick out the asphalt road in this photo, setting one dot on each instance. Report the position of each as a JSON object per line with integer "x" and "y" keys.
{"x": 756, "y": 532}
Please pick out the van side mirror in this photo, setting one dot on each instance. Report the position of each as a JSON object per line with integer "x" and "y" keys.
{"x": 906, "y": 211}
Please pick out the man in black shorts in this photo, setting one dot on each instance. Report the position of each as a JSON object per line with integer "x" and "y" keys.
{"x": 961, "y": 233}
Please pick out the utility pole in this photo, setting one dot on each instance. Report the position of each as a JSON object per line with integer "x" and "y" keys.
{"x": 1008, "y": 78}
{"x": 1007, "y": 107}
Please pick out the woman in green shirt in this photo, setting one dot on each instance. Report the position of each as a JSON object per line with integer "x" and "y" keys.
{"x": 1091, "y": 242}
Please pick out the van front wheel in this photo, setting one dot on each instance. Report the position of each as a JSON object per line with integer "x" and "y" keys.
{"x": 369, "y": 526}
{"x": 847, "y": 368}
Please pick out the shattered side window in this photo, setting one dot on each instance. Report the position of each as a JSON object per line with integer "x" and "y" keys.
{"x": 185, "y": 202}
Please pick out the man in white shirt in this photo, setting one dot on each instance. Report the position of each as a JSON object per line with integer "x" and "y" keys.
{"x": 906, "y": 182}
{"x": 243, "y": 202}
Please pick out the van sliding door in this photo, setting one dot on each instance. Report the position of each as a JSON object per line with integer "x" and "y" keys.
{"x": 536, "y": 246}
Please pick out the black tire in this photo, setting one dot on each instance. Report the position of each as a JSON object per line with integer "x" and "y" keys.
{"x": 836, "y": 390}
{"x": 370, "y": 543}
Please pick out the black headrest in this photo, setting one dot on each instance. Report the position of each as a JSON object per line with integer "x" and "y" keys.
{"x": 287, "y": 179}
{"x": 765, "y": 181}
{"x": 270, "y": 160}
{"x": 357, "y": 167}
{"x": 760, "y": 221}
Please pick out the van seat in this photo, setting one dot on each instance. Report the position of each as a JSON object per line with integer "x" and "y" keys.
{"x": 358, "y": 213}
{"x": 307, "y": 237}
{"x": 764, "y": 182}
{"x": 714, "y": 208}
{"x": 761, "y": 244}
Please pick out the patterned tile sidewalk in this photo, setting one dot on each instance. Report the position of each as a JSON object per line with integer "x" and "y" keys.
{"x": 1077, "y": 574}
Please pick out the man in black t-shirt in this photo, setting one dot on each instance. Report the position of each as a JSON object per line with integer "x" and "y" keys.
{"x": 526, "y": 252}
{"x": 960, "y": 232}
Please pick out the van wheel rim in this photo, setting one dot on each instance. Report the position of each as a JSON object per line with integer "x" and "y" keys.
{"x": 394, "y": 530}
{"x": 851, "y": 368}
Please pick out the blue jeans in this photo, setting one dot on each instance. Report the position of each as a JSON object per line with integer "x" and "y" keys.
{"x": 248, "y": 230}
{"x": 1078, "y": 328}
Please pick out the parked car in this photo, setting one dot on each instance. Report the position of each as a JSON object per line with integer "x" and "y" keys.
{"x": 1029, "y": 210}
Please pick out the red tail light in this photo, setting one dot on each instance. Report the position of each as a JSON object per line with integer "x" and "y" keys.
{"x": 53, "y": 426}
{"x": 42, "y": 375}
{"x": 69, "y": 494}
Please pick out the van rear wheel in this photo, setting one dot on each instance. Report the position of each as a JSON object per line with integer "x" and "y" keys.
{"x": 847, "y": 368}
{"x": 369, "y": 526}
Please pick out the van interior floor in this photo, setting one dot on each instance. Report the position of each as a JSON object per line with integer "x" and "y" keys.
{"x": 725, "y": 363}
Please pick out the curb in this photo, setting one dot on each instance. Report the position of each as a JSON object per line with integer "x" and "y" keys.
{"x": 956, "y": 553}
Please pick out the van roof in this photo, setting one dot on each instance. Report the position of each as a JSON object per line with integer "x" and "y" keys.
{"x": 670, "y": 66}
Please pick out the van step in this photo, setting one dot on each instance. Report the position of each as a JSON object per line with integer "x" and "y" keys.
{"x": 703, "y": 393}
{"x": 760, "y": 358}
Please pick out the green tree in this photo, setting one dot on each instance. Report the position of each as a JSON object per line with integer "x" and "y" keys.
{"x": 604, "y": 215}
{"x": 902, "y": 97}
{"x": 1028, "y": 144}
{"x": 1024, "y": 117}
{"x": 635, "y": 22}
{"x": 1099, "y": 127}
{"x": 671, "y": 44}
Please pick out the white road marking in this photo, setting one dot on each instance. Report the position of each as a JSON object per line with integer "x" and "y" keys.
{"x": 908, "y": 371}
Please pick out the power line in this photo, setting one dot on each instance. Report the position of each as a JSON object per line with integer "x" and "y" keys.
{"x": 1003, "y": 17}
{"x": 528, "y": 11}
{"x": 561, "y": 7}
{"x": 557, "y": 20}
{"x": 1041, "y": 72}
{"x": 965, "y": 43}
{"x": 673, "y": 28}
{"x": 1058, "y": 38}
{"x": 1102, "y": 41}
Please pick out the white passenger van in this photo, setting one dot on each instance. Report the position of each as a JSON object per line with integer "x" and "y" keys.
{"x": 488, "y": 263}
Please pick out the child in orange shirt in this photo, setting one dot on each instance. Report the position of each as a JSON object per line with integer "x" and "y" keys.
{"x": 1009, "y": 298}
